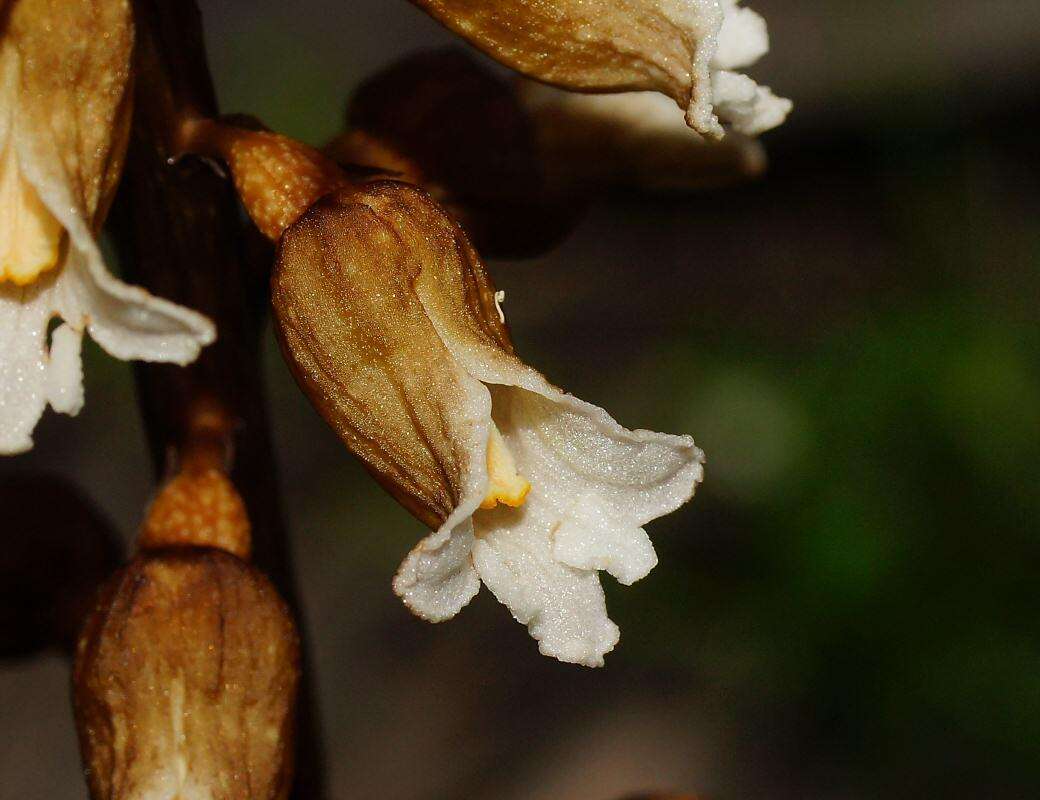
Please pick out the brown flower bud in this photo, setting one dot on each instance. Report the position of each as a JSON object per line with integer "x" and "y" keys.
{"x": 185, "y": 682}
{"x": 598, "y": 45}
{"x": 685, "y": 49}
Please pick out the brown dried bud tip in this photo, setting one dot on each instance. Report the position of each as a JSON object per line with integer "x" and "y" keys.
{"x": 277, "y": 178}
{"x": 185, "y": 682}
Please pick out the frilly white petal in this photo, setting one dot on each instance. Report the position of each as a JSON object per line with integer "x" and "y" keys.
{"x": 563, "y": 608}
{"x": 750, "y": 109}
{"x": 128, "y": 322}
{"x": 31, "y": 374}
{"x": 742, "y": 39}
{"x": 587, "y": 538}
{"x": 737, "y": 100}
{"x": 436, "y": 579}
{"x": 589, "y": 460}
{"x": 65, "y": 371}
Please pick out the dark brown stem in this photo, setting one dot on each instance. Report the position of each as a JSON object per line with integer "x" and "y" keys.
{"x": 182, "y": 237}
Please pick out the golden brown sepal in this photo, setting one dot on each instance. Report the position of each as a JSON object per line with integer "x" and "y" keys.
{"x": 361, "y": 343}
{"x": 76, "y": 90}
{"x": 597, "y": 45}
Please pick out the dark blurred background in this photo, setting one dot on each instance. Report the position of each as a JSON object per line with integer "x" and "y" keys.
{"x": 843, "y": 611}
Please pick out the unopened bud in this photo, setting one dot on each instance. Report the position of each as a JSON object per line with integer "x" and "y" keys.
{"x": 185, "y": 682}
{"x": 363, "y": 347}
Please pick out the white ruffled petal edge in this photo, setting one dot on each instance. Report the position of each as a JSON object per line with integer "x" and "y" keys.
{"x": 437, "y": 579}
{"x": 65, "y": 371}
{"x": 741, "y": 39}
{"x": 128, "y": 322}
{"x": 24, "y": 363}
{"x": 594, "y": 485}
{"x": 563, "y": 608}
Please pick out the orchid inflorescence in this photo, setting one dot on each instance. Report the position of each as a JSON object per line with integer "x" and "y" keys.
{"x": 384, "y": 310}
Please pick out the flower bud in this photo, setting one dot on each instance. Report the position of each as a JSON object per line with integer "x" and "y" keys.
{"x": 362, "y": 347}
{"x": 185, "y": 681}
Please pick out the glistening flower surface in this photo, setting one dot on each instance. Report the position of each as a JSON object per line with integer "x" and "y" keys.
{"x": 64, "y": 120}
{"x": 685, "y": 49}
{"x": 389, "y": 322}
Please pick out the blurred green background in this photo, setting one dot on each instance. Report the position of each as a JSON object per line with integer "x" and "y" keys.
{"x": 843, "y": 611}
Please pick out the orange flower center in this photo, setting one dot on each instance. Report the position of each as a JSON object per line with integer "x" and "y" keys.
{"x": 505, "y": 484}
{"x": 30, "y": 236}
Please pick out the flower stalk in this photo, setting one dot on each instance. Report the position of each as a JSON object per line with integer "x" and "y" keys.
{"x": 179, "y": 233}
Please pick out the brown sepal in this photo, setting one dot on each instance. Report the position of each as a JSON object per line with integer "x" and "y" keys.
{"x": 363, "y": 347}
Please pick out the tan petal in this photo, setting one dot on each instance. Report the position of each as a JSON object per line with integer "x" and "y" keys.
{"x": 599, "y": 45}
{"x": 75, "y": 95}
{"x": 360, "y": 345}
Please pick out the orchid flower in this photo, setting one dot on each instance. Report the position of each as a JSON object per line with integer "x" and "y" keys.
{"x": 64, "y": 123}
{"x": 392, "y": 327}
